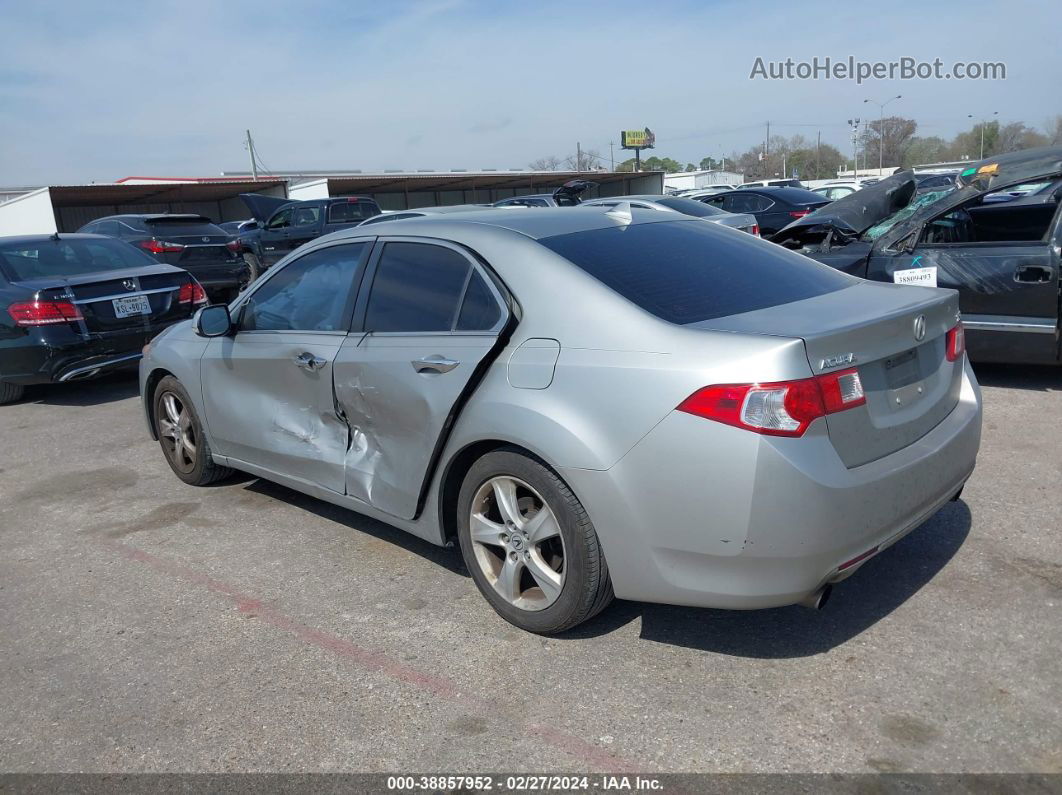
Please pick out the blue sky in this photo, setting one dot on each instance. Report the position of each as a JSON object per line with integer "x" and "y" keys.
{"x": 99, "y": 90}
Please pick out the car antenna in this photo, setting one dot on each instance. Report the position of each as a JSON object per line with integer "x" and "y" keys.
{"x": 621, "y": 212}
{"x": 55, "y": 236}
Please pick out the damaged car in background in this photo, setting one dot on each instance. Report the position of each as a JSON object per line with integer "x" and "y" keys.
{"x": 613, "y": 401}
{"x": 1001, "y": 256}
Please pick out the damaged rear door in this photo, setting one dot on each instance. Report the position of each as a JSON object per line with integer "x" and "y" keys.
{"x": 268, "y": 388}
{"x": 432, "y": 319}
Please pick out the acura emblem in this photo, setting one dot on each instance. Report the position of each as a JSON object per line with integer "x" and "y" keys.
{"x": 920, "y": 328}
{"x": 129, "y": 284}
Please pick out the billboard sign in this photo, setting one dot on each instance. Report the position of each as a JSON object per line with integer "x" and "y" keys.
{"x": 637, "y": 139}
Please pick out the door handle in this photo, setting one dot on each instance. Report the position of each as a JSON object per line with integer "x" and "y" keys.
{"x": 1036, "y": 274}
{"x": 434, "y": 364}
{"x": 308, "y": 361}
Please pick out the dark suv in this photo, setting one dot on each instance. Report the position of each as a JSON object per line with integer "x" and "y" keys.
{"x": 282, "y": 225}
{"x": 187, "y": 241}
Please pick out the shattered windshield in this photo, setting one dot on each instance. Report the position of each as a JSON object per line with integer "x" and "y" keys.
{"x": 881, "y": 228}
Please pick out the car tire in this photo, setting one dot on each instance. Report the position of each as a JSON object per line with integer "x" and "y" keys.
{"x": 254, "y": 267}
{"x": 181, "y": 436}
{"x": 9, "y": 393}
{"x": 544, "y": 573}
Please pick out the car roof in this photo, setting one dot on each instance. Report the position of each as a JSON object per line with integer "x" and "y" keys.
{"x": 527, "y": 196}
{"x": 786, "y": 192}
{"x": 449, "y": 208}
{"x": 156, "y": 217}
{"x": 534, "y": 223}
{"x": 16, "y": 239}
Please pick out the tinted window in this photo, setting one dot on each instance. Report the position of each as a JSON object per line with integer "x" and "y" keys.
{"x": 480, "y": 310}
{"x": 167, "y": 228}
{"x": 281, "y": 219}
{"x": 307, "y": 216}
{"x": 350, "y": 211}
{"x": 689, "y": 207}
{"x": 417, "y": 288}
{"x": 308, "y": 294}
{"x": 68, "y": 257}
{"x": 685, "y": 272}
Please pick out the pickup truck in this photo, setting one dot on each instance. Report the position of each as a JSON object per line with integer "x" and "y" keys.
{"x": 282, "y": 225}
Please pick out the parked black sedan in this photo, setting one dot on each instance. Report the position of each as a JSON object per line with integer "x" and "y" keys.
{"x": 774, "y": 208}
{"x": 1002, "y": 257}
{"x": 187, "y": 241}
{"x": 77, "y": 306}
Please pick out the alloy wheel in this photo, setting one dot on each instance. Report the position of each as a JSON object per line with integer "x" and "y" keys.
{"x": 517, "y": 543}
{"x": 178, "y": 431}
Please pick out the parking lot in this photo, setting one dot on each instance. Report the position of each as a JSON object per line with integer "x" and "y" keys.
{"x": 152, "y": 626}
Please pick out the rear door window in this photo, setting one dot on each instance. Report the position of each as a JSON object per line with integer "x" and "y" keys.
{"x": 351, "y": 211}
{"x": 685, "y": 272}
{"x": 417, "y": 288}
{"x": 307, "y": 216}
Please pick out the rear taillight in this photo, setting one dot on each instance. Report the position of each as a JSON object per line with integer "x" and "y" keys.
{"x": 782, "y": 408}
{"x": 799, "y": 213}
{"x": 192, "y": 293}
{"x": 43, "y": 313}
{"x": 754, "y": 230}
{"x": 159, "y": 246}
{"x": 233, "y": 246}
{"x": 955, "y": 343}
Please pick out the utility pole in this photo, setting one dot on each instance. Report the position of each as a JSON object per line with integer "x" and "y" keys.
{"x": 611, "y": 158}
{"x": 983, "y": 122}
{"x": 881, "y": 128}
{"x": 578, "y": 157}
{"x": 818, "y": 143}
{"x": 854, "y": 124}
{"x": 767, "y": 152}
{"x": 250, "y": 151}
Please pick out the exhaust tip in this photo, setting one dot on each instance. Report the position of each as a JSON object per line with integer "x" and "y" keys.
{"x": 816, "y": 600}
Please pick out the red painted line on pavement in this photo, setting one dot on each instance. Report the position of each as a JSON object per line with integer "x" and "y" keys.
{"x": 374, "y": 660}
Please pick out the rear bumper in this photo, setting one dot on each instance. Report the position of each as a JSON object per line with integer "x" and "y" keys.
{"x": 37, "y": 359}
{"x": 702, "y": 514}
{"x": 221, "y": 280}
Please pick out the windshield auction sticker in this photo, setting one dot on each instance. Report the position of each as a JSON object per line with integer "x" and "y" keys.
{"x": 923, "y": 277}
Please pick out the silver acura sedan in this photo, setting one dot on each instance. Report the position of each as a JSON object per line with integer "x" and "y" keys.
{"x": 588, "y": 403}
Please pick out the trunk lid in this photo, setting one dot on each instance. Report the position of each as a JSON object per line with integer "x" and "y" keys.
{"x": 910, "y": 385}
{"x": 200, "y": 242}
{"x": 95, "y": 294}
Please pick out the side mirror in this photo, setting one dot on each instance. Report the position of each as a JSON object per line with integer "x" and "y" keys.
{"x": 212, "y": 321}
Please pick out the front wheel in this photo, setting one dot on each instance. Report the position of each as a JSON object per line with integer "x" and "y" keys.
{"x": 529, "y": 544}
{"x": 181, "y": 436}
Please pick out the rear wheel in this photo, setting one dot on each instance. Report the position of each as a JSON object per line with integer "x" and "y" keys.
{"x": 9, "y": 393}
{"x": 529, "y": 545}
{"x": 181, "y": 436}
{"x": 254, "y": 266}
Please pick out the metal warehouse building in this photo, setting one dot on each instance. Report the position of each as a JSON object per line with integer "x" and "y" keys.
{"x": 66, "y": 208}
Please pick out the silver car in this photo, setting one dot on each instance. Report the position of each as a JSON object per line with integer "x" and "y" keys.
{"x": 589, "y": 404}
{"x": 680, "y": 204}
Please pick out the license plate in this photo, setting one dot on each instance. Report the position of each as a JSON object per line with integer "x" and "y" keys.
{"x": 131, "y": 305}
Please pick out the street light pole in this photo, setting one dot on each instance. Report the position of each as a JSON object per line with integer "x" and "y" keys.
{"x": 881, "y": 127}
{"x": 854, "y": 124}
{"x": 983, "y": 122}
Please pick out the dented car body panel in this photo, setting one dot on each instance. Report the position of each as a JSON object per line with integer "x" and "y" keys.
{"x": 1003, "y": 258}
{"x": 555, "y": 363}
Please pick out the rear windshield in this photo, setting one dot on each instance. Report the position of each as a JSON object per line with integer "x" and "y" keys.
{"x": 165, "y": 226}
{"x": 686, "y": 271}
{"x": 690, "y": 207}
{"x": 69, "y": 257}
